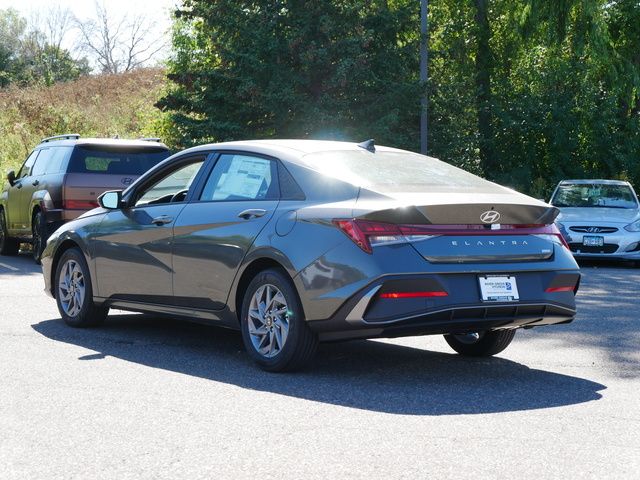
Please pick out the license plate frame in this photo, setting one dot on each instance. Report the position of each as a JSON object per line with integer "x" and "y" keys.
{"x": 498, "y": 288}
{"x": 592, "y": 241}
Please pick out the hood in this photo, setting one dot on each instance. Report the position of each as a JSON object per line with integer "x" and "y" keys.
{"x": 591, "y": 215}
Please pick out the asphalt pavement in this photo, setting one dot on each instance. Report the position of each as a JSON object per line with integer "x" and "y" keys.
{"x": 150, "y": 398}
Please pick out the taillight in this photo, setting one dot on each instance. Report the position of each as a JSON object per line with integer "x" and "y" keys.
{"x": 79, "y": 204}
{"x": 367, "y": 234}
{"x": 561, "y": 289}
{"x": 431, "y": 294}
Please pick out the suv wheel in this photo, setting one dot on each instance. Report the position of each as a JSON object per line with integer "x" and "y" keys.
{"x": 39, "y": 235}
{"x": 8, "y": 245}
{"x": 480, "y": 344}
{"x": 74, "y": 293}
{"x": 274, "y": 330}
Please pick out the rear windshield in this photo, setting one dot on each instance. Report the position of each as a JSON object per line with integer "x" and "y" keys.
{"x": 115, "y": 161}
{"x": 396, "y": 172}
{"x": 594, "y": 195}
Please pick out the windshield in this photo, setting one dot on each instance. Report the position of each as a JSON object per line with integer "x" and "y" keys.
{"x": 396, "y": 172}
{"x": 115, "y": 161}
{"x": 594, "y": 195}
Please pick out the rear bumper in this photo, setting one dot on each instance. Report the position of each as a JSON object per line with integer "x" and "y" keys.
{"x": 367, "y": 315}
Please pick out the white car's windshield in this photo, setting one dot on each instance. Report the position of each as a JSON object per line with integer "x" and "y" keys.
{"x": 594, "y": 195}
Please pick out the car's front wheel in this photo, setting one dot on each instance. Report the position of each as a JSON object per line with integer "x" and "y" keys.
{"x": 480, "y": 344}
{"x": 8, "y": 245}
{"x": 74, "y": 292}
{"x": 274, "y": 330}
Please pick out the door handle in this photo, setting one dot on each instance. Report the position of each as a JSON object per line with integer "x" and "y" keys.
{"x": 162, "y": 220}
{"x": 252, "y": 213}
{"x": 36, "y": 183}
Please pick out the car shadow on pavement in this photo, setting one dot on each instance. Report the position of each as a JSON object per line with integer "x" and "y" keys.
{"x": 366, "y": 375}
{"x": 19, "y": 265}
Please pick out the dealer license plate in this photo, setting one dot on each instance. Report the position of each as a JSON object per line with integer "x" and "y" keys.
{"x": 589, "y": 241}
{"x": 499, "y": 289}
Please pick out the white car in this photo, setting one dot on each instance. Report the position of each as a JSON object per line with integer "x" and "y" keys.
{"x": 599, "y": 218}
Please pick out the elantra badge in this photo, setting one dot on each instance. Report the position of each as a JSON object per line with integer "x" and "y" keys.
{"x": 490, "y": 216}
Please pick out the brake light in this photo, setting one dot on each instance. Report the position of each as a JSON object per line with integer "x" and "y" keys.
{"x": 437, "y": 293}
{"x": 367, "y": 234}
{"x": 79, "y": 204}
{"x": 364, "y": 233}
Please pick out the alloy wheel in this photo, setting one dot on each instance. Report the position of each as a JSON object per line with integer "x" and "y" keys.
{"x": 268, "y": 320}
{"x": 71, "y": 288}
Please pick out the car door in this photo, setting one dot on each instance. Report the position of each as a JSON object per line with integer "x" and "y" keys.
{"x": 215, "y": 230}
{"x": 18, "y": 205}
{"x": 133, "y": 244}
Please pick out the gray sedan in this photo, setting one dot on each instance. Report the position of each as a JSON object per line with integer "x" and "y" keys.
{"x": 299, "y": 242}
{"x": 599, "y": 218}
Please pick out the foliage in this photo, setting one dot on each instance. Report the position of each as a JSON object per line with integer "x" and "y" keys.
{"x": 26, "y": 57}
{"x": 291, "y": 68}
{"x": 525, "y": 92}
{"x": 98, "y": 106}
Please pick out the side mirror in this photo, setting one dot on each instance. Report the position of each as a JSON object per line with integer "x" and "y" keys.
{"x": 111, "y": 199}
{"x": 11, "y": 177}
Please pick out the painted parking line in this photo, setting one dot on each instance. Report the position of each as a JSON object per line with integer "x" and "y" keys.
{"x": 9, "y": 267}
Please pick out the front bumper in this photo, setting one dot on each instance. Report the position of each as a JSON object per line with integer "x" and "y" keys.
{"x": 618, "y": 245}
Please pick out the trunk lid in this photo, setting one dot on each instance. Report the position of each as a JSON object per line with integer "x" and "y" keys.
{"x": 87, "y": 187}
{"x": 465, "y": 228}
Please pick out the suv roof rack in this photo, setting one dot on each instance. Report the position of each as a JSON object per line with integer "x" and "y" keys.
{"x": 66, "y": 136}
{"x": 150, "y": 139}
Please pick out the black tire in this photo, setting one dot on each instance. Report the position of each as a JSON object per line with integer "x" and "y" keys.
{"x": 39, "y": 235}
{"x": 488, "y": 343}
{"x": 89, "y": 314}
{"x": 300, "y": 344}
{"x": 8, "y": 245}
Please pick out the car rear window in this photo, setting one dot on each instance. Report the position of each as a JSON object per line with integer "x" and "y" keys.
{"x": 388, "y": 171}
{"x": 115, "y": 161}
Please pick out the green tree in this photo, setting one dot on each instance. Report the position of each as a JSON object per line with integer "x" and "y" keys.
{"x": 293, "y": 68}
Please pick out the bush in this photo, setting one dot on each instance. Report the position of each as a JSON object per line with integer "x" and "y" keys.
{"x": 93, "y": 106}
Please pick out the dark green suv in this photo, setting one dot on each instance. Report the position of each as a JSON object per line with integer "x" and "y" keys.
{"x": 62, "y": 178}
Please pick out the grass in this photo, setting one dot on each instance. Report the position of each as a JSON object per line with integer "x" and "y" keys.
{"x": 93, "y": 106}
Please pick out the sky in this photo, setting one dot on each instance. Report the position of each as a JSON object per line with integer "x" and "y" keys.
{"x": 157, "y": 10}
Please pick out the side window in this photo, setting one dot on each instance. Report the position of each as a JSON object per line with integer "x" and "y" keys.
{"x": 41, "y": 162}
{"x": 241, "y": 177}
{"x": 173, "y": 186}
{"x": 26, "y": 167}
{"x": 58, "y": 159}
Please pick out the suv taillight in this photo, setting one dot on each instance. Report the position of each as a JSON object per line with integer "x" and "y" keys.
{"x": 79, "y": 204}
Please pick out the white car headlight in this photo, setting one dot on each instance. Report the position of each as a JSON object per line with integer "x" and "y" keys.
{"x": 633, "y": 227}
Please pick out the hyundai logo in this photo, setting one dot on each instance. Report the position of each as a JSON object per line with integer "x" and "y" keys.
{"x": 490, "y": 216}
{"x": 127, "y": 181}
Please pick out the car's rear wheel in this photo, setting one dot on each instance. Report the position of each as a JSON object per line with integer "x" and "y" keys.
{"x": 480, "y": 344}
{"x": 274, "y": 330}
{"x": 38, "y": 235}
{"x": 74, "y": 292}
{"x": 8, "y": 245}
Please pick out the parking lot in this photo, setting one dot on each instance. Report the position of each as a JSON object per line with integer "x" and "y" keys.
{"x": 145, "y": 397}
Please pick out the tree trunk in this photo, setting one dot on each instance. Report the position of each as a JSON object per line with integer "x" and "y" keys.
{"x": 483, "y": 89}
